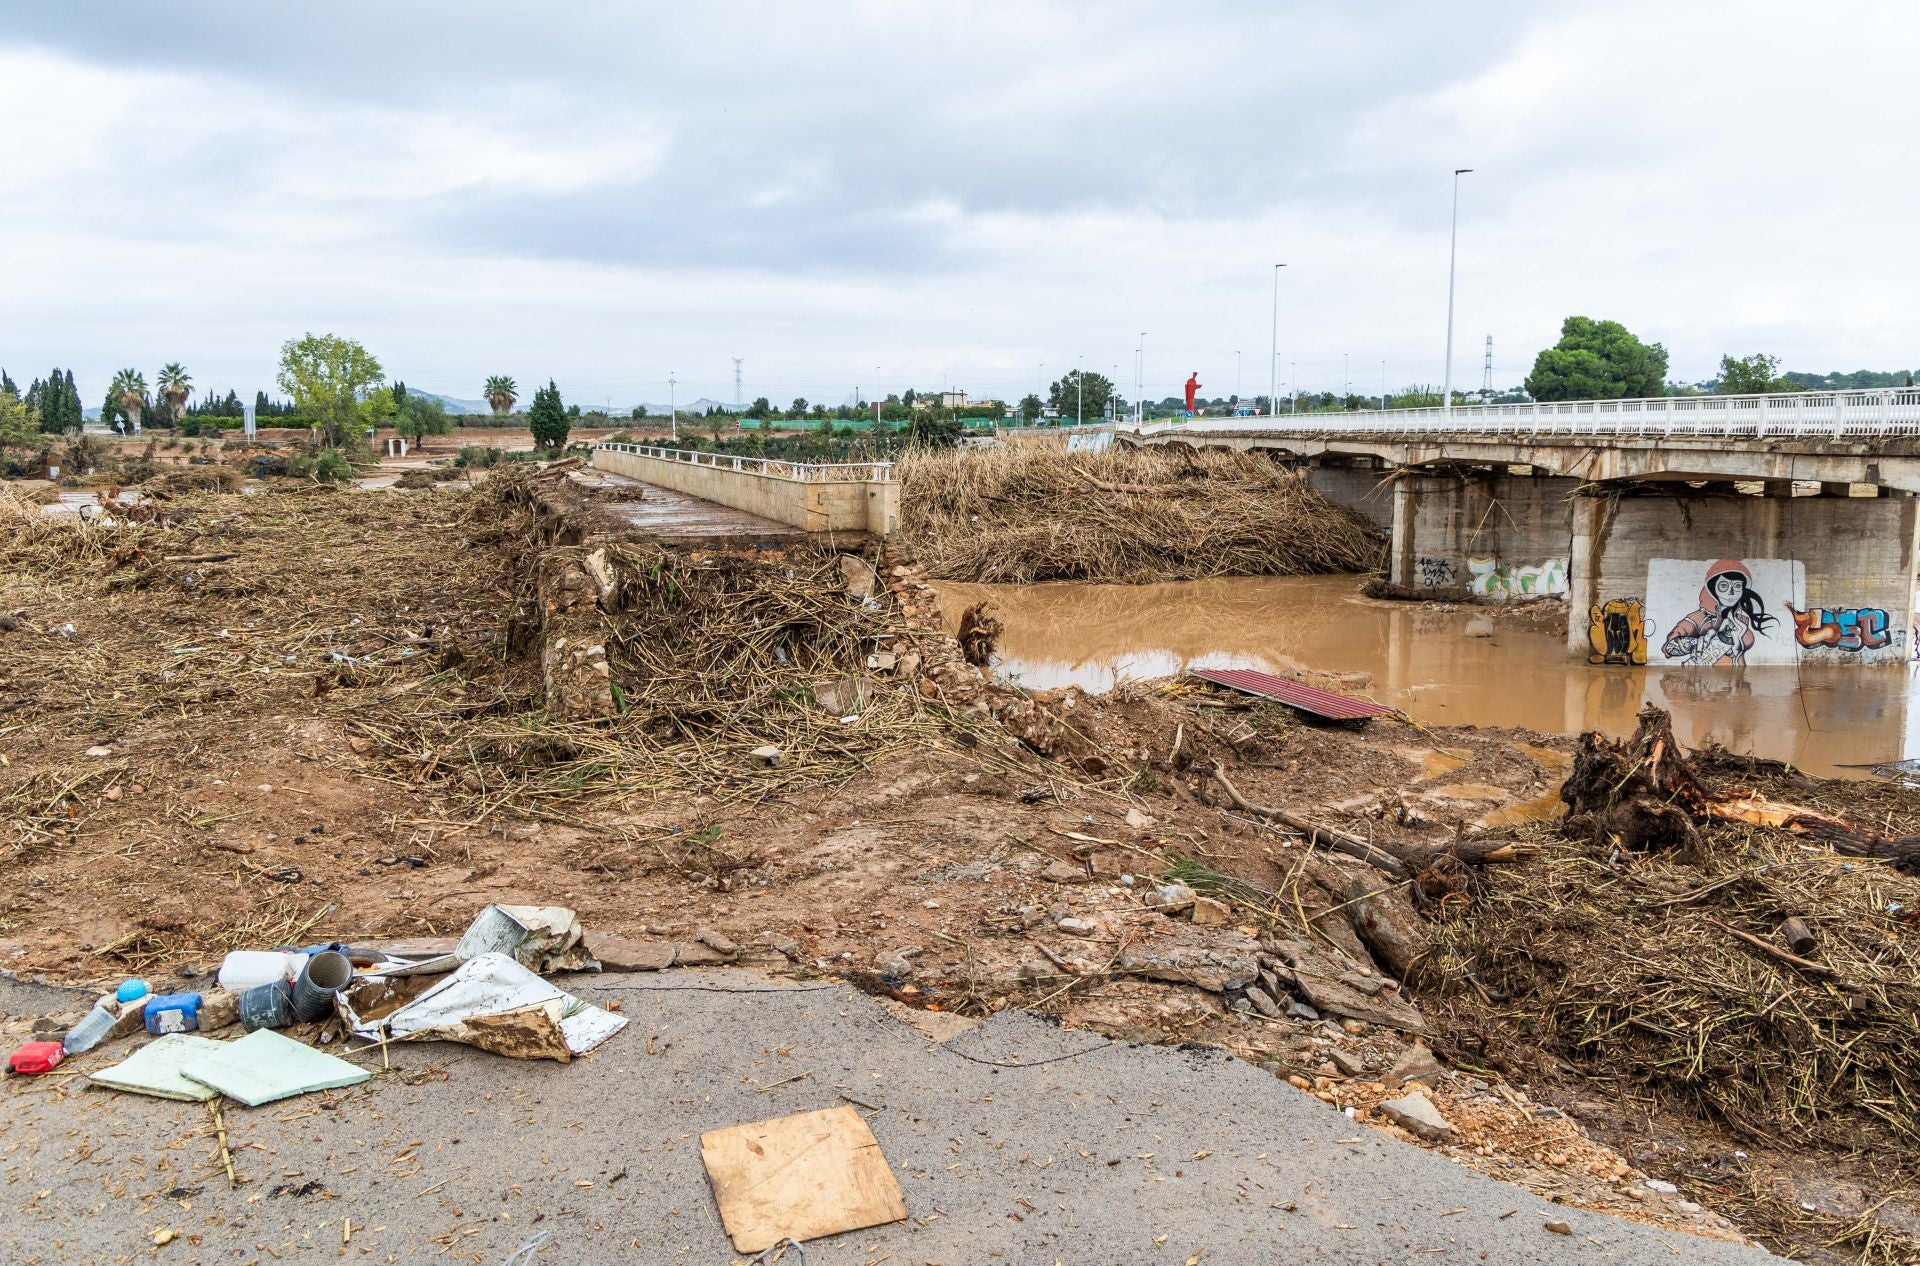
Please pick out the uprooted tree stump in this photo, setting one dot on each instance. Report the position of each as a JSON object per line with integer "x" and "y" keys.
{"x": 979, "y": 633}
{"x": 1644, "y": 793}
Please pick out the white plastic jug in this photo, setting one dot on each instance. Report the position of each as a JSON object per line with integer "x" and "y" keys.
{"x": 242, "y": 970}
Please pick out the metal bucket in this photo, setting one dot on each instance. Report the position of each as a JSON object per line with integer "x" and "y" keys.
{"x": 324, "y": 976}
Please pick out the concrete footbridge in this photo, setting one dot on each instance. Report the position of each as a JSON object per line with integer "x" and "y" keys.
{"x": 1712, "y": 530}
{"x": 836, "y": 497}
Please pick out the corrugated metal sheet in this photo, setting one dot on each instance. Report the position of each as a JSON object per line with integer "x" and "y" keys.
{"x": 1322, "y": 703}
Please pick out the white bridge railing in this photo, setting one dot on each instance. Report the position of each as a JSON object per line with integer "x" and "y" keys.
{"x": 1812, "y": 415}
{"x": 803, "y": 472}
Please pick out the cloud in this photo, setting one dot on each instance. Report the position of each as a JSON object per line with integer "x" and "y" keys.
{"x": 968, "y": 190}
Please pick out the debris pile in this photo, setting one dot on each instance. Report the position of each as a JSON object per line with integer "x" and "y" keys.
{"x": 1738, "y": 966}
{"x": 1018, "y": 514}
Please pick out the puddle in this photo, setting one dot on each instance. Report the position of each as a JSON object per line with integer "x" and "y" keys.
{"x": 1818, "y": 716}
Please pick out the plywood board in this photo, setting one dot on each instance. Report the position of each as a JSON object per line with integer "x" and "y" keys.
{"x": 804, "y": 1176}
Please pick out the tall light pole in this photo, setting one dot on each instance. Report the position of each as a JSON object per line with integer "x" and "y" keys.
{"x": 1140, "y": 382}
{"x": 1273, "y": 347}
{"x": 1453, "y": 239}
{"x": 673, "y": 408}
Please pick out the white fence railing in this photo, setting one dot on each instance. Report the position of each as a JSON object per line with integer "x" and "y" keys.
{"x": 803, "y": 472}
{"x": 1804, "y": 415}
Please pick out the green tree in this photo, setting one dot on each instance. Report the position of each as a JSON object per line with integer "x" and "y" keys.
{"x": 18, "y": 425}
{"x": 416, "y": 416}
{"x": 548, "y": 418}
{"x": 639, "y": 411}
{"x": 330, "y": 379}
{"x": 1757, "y": 375}
{"x": 1421, "y": 395}
{"x": 1030, "y": 408}
{"x": 759, "y": 408}
{"x": 501, "y": 391}
{"x": 175, "y": 388}
{"x": 798, "y": 409}
{"x": 7, "y": 385}
{"x": 1064, "y": 394}
{"x": 130, "y": 389}
{"x": 1598, "y": 360}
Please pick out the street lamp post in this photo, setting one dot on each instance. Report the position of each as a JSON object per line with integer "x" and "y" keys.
{"x": 1453, "y": 238}
{"x": 1273, "y": 347}
{"x": 673, "y": 408}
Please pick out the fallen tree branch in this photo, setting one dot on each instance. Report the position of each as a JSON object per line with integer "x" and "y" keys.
{"x": 1805, "y": 964}
{"x": 1317, "y": 835}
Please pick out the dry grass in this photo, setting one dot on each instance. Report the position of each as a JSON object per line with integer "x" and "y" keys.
{"x": 1018, "y": 514}
{"x": 1626, "y": 965}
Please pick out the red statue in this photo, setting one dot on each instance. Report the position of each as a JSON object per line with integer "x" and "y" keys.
{"x": 1193, "y": 388}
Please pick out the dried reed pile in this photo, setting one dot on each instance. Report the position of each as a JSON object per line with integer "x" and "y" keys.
{"x": 1670, "y": 969}
{"x": 1018, "y": 514}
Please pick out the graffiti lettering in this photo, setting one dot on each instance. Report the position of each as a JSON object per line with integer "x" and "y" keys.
{"x": 1848, "y": 629}
{"x": 1494, "y": 579}
{"x": 1435, "y": 573}
{"x": 1617, "y": 632}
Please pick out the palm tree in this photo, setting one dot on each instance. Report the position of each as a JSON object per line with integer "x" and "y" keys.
{"x": 175, "y": 387}
{"x": 130, "y": 388}
{"x": 501, "y": 391}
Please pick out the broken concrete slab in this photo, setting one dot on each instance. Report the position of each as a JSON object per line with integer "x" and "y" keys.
{"x": 1207, "y": 912}
{"x": 1215, "y": 970}
{"x": 1417, "y": 1063}
{"x": 1416, "y": 1114}
{"x": 618, "y": 954}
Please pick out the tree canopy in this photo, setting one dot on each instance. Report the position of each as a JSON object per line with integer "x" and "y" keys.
{"x": 1755, "y": 375}
{"x": 330, "y": 379}
{"x": 1065, "y": 396}
{"x": 416, "y": 416}
{"x": 1598, "y": 360}
{"x": 548, "y": 417}
{"x": 18, "y": 425}
{"x": 501, "y": 391}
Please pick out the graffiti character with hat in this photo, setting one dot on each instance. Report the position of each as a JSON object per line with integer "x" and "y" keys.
{"x": 1722, "y": 631}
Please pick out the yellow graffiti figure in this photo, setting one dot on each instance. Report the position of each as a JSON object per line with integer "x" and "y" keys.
{"x": 1617, "y": 632}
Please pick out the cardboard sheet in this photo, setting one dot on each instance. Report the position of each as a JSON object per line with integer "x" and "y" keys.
{"x": 804, "y": 1176}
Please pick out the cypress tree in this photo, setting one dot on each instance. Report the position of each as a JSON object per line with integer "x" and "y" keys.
{"x": 7, "y": 385}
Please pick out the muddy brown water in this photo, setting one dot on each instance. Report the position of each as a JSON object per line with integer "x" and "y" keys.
{"x": 1445, "y": 667}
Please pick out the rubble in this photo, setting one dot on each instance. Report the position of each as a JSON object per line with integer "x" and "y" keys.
{"x": 1416, "y": 1114}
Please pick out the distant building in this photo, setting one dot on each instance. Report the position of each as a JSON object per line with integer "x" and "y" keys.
{"x": 953, "y": 400}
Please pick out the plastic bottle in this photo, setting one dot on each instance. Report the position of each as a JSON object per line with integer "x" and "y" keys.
{"x": 248, "y": 969}
{"x": 93, "y": 1027}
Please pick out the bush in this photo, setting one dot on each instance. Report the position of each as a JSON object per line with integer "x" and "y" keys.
{"x": 329, "y": 465}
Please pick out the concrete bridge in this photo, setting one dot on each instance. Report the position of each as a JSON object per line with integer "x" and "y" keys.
{"x": 1630, "y": 508}
{"x": 839, "y": 497}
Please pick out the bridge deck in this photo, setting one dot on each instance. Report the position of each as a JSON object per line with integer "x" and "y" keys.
{"x": 675, "y": 518}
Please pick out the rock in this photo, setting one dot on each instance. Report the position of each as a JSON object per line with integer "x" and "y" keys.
{"x": 715, "y": 941}
{"x": 1210, "y": 913}
{"x": 784, "y": 945}
{"x": 1078, "y": 927}
{"x": 218, "y": 1009}
{"x": 768, "y": 757}
{"x": 1138, "y": 820}
{"x": 1662, "y": 1186}
{"x": 97, "y": 751}
{"x": 1348, "y": 1064}
{"x": 1065, "y": 873}
{"x": 1355, "y": 1027}
{"x": 897, "y": 962}
{"x": 1558, "y": 1228}
{"x": 694, "y": 954}
{"x": 860, "y": 576}
{"x": 883, "y": 661}
{"x": 1301, "y": 1011}
{"x": 1263, "y": 1002}
{"x": 1172, "y": 898}
{"x": 1416, "y": 1114}
{"x": 617, "y": 953}
{"x": 1417, "y": 1064}
{"x": 1215, "y": 970}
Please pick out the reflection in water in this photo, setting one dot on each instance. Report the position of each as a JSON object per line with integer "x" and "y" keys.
{"x": 1438, "y": 665}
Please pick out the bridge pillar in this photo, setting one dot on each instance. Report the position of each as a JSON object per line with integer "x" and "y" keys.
{"x": 1475, "y": 534}
{"x": 1830, "y": 579}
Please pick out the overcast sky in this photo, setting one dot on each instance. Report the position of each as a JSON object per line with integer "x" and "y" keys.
{"x": 954, "y": 192}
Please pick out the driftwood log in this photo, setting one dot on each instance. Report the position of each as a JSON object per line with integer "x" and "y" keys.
{"x": 1644, "y": 793}
{"x": 978, "y": 634}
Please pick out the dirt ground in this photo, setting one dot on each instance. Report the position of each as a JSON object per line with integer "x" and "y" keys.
{"x": 305, "y": 715}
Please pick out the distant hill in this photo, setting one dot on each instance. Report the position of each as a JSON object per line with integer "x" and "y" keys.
{"x": 452, "y": 405}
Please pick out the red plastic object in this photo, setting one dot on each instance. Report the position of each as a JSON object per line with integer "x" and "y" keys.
{"x": 36, "y": 1057}
{"x": 1322, "y": 703}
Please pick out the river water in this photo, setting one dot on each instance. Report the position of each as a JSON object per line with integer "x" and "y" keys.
{"x": 1445, "y": 667}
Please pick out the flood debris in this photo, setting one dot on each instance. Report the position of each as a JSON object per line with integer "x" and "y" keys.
{"x": 799, "y": 1178}
{"x": 1019, "y": 514}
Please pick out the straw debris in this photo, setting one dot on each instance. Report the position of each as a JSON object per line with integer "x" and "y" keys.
{"x": 1018, "y": 514}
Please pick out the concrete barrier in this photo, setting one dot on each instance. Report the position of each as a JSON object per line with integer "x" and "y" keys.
{"x": 848, "y": 497}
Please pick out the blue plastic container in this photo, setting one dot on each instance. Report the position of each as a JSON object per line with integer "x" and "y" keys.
{"x": 173, "y": 1013}
{"x": 129, "y": 990}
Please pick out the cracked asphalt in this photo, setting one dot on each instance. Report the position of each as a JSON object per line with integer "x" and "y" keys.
{"x": 1014, "y": 1142}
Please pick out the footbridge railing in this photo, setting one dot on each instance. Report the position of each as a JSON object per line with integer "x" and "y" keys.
{"x": 819, "y": 497}
{"x": 1812, "y": 415}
